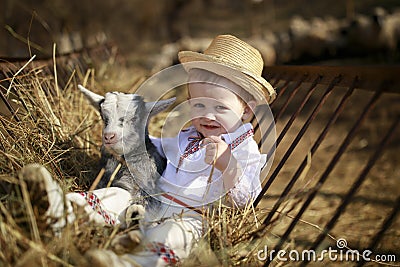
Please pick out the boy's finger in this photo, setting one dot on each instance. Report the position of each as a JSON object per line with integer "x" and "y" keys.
{"x": 209, "y": 157}
{"x": 210, "y": 152}
{"x": 206, "y": 141}
{"x": 210, "y": 140}
{"x": 208, "y": 160}
{"x": 215, "y": 139}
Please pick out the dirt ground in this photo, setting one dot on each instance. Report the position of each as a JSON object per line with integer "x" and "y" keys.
{"x": 375, "y": 198}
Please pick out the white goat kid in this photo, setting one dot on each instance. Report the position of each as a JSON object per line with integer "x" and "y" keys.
{"x": 126, "y": 140}
{"x": 125, "y": 137}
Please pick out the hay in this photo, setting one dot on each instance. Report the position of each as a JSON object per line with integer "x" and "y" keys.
{"x": 53, "y": 127}
{"x": 50, "y": 126}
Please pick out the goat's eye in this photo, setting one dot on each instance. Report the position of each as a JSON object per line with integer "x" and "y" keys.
{"x": 106, "y": 121}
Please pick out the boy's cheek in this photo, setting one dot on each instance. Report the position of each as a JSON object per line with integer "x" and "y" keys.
{"x": 194, "y": 113}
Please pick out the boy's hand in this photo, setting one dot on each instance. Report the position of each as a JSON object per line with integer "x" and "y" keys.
{"x": 217, "y": 149}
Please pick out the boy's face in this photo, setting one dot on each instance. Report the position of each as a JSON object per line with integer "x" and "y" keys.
{"x": 215, "y": 110}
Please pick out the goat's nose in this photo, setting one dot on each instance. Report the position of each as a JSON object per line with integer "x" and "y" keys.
{"x": 109, "y": 137}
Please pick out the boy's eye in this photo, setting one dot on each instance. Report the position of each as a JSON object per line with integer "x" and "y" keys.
{"x": 198, "y": 105}
{"x": 219, "y": 107}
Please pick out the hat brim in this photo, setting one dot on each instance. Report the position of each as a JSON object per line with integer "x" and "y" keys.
{"x": 257, "y": 86}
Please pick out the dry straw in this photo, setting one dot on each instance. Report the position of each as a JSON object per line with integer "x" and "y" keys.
{"x": 42, "y": 123}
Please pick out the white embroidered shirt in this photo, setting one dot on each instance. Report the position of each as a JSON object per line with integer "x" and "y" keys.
{"x": 187, "y": 178}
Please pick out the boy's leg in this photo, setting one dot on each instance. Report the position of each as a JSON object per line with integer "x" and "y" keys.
{"x": 164, "y": 244}
{"x": 102, "y": 205}
{"x": 169, "y": 242}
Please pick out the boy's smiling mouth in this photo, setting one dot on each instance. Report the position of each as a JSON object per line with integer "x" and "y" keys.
{"x": 210, "y": 127}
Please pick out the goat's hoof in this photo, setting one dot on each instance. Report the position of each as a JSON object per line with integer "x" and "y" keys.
{"x": 125, "y": 243}
{"x": 135, "y": 211}
{"x": 132, "y": 216}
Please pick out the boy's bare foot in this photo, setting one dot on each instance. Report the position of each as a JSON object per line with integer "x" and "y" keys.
{"x": 45, "y": 196}
{"x": 32, "y": 178}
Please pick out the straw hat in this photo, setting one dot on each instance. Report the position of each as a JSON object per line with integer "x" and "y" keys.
{"x": 235, "y": 60}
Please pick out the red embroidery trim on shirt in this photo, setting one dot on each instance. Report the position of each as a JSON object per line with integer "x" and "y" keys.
{"x": 97, "y": 206}
{"x": 194, "y": 145}
{"x": 164, "y": 252}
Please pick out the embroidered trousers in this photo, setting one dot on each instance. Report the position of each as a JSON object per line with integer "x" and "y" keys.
{"x": 164, "y": 244}
{"x": 165, "y": 241}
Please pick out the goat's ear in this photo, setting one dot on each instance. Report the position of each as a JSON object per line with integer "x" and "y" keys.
{"x": 94, "y": 99}
{"x": 158, "y": 106}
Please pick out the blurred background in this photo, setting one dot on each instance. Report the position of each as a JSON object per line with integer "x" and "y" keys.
{"x": 149, "y": 33}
